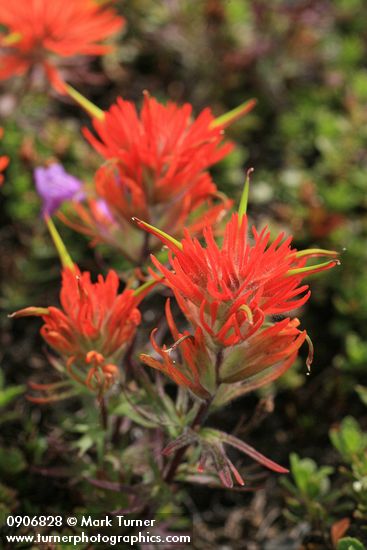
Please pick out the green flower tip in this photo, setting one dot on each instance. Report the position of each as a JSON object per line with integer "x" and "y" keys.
{"x": 29, "y": 312}
{"x": 230, "y": 117}
{"x": 161, "y": 235}
{"x": 244, "y": 197}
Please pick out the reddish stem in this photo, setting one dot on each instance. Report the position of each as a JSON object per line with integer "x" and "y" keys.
{"x": 199, "y": 418}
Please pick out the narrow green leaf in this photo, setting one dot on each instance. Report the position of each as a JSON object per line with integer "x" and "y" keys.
{"x": 312, "y": 268}
{"x": 349, "y": 543}
{"x": 244, "y": 197}
{"x": 65, "y": 258}
{"x": 164, "y": 237}
{"x": 231, "y": 116}
{"x": 87, "y": 105}
{"x": 7, "y": 395}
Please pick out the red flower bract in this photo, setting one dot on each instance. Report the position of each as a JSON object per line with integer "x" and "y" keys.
{"x": 163, "y": 152}
{"x": 93, "y": 326}
{"x": 258, "y": 360}
{"x": 229, "y": 293}
{"x": 162, "y": 157}
{"x": 156, "y": 169}
{"x": 38, "y": 28}
{"x": 228, "y": 290}
{"x": 93, "y": 316}
{"x": 193, "y": 371}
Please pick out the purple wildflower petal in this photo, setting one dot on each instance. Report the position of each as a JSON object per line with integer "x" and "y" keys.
{"x": 56, "y": 186}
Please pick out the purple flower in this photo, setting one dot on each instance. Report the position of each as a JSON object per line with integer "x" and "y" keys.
{"x": 56, "y": 186}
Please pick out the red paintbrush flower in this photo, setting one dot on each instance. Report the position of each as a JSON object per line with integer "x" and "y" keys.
{"x": 259, "y": 359}
{"x": 191, "y": 371}
{"x": 229, "y": 294}
{"x": 157, "y": 170}
{"x": 218, "y": 376}
{"x": 162, "y": 151}
{"x": 42, "y": 29}
{"x": 93, "y": 326}
{"x": 197, "y": 209}
{"x": 229, "y": 290}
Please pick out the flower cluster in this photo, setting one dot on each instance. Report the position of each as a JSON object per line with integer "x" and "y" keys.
{"x": 157, "y": 169}
{"x": 41, "y": 30}
{"x": 92, "y": 328}
{"x": 230, "y": 294}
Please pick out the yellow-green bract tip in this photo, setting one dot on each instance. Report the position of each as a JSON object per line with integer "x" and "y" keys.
{"x": 228, "y": 118}
{"x": 10, "y": 39}
{"x": 244, "y": 197}
{"x": 142, "y": 289}
{"x": 164, "y": 237}
{"x": 65, "y": 258}
{"x": 29, "y": 312}
{"x": 312, "y": 268}
{"x": 87, "y": 105}
{"x": 316, "y": 252}
{"x": 248, "y": 312}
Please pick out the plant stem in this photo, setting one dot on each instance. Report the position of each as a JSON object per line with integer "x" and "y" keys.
{"x": 116, "y": 430}
{"x": 104, "y": 413}
{"x": 199, "y": 418}
{"x": 218, "y": 363}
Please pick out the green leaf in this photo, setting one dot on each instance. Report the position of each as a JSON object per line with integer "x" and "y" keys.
{"x": 349, "y": 439}
{"x": 7, "y": 395}
{"x": 311, "y": 481}
{"x": 126, "y": 409}
{"x": 362, "y": 393}
{"x": 11, "y": 460}
{"x": 84, "y": 444}
{"x": 349, "y": 543}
